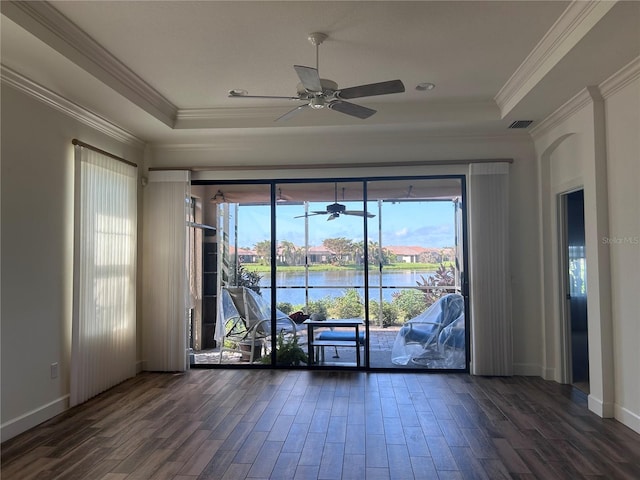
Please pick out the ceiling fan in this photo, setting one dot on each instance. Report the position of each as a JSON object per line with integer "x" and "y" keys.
{"x": 336, "y": 209}
{"x": 320, "y": 92}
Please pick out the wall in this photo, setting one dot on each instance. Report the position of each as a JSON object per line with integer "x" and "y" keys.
{"x": 37, "y": 255}
{"x": 592, "y": 142}
{"x": 622, "y": 110}
{"x": 409, "y": 146}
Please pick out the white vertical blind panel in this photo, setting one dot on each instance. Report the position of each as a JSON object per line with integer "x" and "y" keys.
{"x": 103, "y": 351}
{"x": 165, "y": 266}
{"x": 490, "y": 292}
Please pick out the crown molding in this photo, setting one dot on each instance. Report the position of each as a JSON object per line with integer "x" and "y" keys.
{"x": 616, "y": 82}
{"x": 583, "y": 98}
{"x": 42, "y": 20}
{"x": 224, "y": 113}
{"x": 202, "y": 118}
{"x": 73, "y": 110}
{"x": 623, "y": 77}
{"x": 574, "y": 23}
{"x": 228, "y": 141}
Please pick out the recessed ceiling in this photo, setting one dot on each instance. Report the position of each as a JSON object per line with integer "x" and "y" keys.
{"x": 163, "y": 70}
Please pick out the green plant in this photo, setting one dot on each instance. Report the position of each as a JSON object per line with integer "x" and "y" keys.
{"x": 288, "y": 352}
{"x": 409, "y": 303}
{"x": 247, "y": 278}
{"x": 285, "y": 307}
{"x": 444, "y": 277}
{"x": 320, "y": 307}
{"x": 389, "y": 313}
{"x": 350, "y": 305}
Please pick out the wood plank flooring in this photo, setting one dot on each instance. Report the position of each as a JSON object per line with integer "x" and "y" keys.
{"x": 278, "y": 424}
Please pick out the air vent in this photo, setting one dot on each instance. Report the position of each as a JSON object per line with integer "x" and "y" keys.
{"x": 521, "y": 124}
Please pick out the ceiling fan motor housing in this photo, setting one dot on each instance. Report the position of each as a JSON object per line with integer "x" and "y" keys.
{"x": 329, "y": 87}
{"x": 336, "y": 208}
{"x": 316, "y": 38}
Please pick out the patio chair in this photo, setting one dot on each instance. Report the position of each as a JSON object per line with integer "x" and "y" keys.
{"x": 451, "y": 343}
{"x": 422, "y": 339}
{"x": 244, "y": 323}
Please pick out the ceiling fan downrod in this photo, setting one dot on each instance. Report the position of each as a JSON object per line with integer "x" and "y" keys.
{"x": 316, "y": 39}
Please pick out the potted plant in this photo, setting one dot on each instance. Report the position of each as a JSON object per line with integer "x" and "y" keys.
{"x": 288, "y": 352}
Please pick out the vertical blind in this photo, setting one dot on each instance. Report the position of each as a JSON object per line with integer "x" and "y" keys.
{"x": 103, "y": 350}
{"x": 490, "y": 295}
{"x": 166, "y": 295}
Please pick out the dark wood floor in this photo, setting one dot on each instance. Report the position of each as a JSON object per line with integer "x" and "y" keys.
{"x": 259, "y": 424}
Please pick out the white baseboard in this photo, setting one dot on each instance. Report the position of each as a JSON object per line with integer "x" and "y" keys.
{"x": 35, "y": 417}
{"x": 600, "y": 408}
{"x": 527, "y": 369}
{"x": 627, "y": 417}
{"x": 550, "y": 374}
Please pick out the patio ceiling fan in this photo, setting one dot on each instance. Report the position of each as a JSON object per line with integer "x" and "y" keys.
{"x": 320, "y": 92}
{"x": 336, "y": 209}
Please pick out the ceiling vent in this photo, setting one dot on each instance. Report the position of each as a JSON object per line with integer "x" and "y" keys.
{"x": 521, "y": 124}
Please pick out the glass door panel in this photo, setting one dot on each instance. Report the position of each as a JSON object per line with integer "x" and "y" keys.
{"x": 320, "y": 265}
{"x": 412, "y": 251}
{"x": 244, "y": 260}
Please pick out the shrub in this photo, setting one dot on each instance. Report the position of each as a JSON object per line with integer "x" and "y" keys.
{"x": 350, "y": 305}
{"x": 285, "y": 307}
{"x": 321, "y": 307}
{"x": 389, "y": 313}
{"x": 409, "y": 303}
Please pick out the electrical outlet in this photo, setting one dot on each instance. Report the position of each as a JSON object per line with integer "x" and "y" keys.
{"x": 54, "y": 370}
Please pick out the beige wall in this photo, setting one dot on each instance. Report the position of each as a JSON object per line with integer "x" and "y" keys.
{"x": 622, "y": 110}
{"x": 592, "y": 143}
{"x": 37, "y": 255}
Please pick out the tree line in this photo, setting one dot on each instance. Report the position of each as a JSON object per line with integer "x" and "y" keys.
{"x": 343, "y": 250}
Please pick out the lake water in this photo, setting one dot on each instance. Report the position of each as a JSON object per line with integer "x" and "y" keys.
{"x": 333, "y": 282}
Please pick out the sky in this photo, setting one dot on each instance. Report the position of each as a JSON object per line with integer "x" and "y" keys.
{"x": 426, "y": 224}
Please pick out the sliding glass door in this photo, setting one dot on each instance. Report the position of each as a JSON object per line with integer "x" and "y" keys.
{"x": 379, "y": 261}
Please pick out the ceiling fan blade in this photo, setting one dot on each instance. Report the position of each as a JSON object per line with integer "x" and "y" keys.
{"x": 358, "y": 213}
{"x": 309, "y": 77}
{"x": 291, "y": 113}
{"x": 351, "y": 109}
{"x": 311, "y": 214}
{"x": 372, "y": 89}
{"x": 264, "y": 96}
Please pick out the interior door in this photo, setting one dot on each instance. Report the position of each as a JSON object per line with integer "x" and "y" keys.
{"x": 576, "y": 288}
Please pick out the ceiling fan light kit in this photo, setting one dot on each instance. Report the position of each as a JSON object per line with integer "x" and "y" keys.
{"x": 320, "y": 92}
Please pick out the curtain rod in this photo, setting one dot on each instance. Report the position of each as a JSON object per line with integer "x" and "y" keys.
{"x": 75, "y": 141}
{"x": 419, "y": 163}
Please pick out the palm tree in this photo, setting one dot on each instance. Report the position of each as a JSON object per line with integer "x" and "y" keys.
{"x": 263, "y": 250}
{"x": 358, "y": 252}
{"x": 288, "y": 250}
